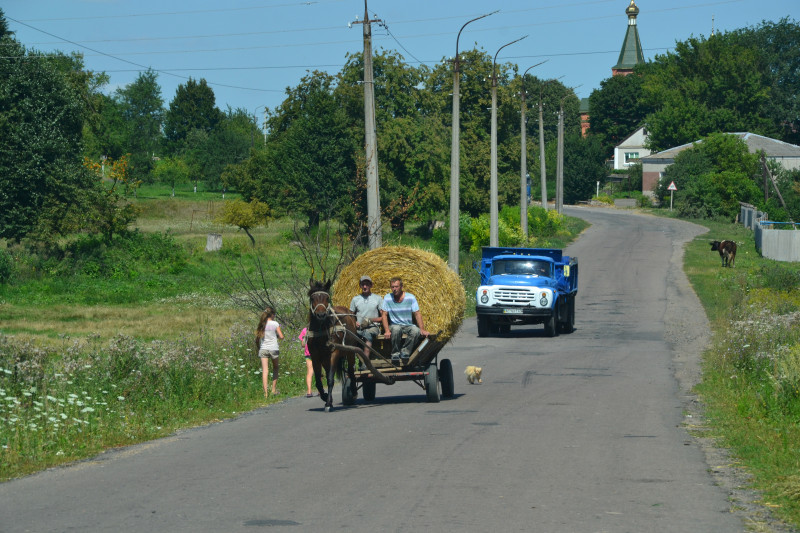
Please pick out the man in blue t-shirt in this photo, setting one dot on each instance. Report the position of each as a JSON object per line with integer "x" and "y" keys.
{"x": 401, "y": 309}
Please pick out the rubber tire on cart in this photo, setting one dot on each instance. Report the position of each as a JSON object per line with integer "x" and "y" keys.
{"x": 368, "y": 390}
{"x": 551, "y": 326}
{"x": 348, "y": 398}
{"x": 483, "y": 326}
{"x": 432, "y": 383}
{"x": 446, "y": 378}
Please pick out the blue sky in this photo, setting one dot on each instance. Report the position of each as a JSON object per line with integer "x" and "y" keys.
{"x": 250, "y": 51}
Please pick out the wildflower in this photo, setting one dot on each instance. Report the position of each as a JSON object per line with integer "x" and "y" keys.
{"x": 7, "y": 371}
{"x": 121, "y": 398}
{"x": 60, "y": 452}
{"x": 52, "y": 399}
{"x": 87, "y": 409}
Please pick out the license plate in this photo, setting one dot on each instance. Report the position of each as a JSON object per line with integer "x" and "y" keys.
{"x": 512, "y": 311}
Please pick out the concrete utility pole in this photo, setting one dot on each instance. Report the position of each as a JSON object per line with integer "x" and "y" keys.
{"x": 523, "y": 167}
{"x": 493, "y": 214}
{"x": 455, "y": 157}
{"x": 542, "y": 169}
{"x": 560, "y": 159}
{"x": 374, "y": 230}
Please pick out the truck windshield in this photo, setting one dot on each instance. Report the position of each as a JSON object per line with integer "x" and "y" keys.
{"x": 521, "y": 267}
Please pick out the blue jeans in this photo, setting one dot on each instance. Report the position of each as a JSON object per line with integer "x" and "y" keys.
{"x": 403, "y": 347}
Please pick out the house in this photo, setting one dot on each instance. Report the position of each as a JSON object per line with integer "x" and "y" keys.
{"x": 653, "y": 165}
{"x": 631, "y": 150}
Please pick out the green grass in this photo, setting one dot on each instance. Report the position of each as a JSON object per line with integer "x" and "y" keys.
{"x": 751, "y": 381}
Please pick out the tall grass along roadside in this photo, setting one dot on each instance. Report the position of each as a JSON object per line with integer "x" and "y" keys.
{"x": 751, "y": 381}
{"x": 62, "y": 404}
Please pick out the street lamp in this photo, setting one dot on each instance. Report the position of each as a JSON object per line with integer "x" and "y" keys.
{"x": 455, "y": 157}
{"x": 493, "y": 223}
{"x": 523, "y": 167}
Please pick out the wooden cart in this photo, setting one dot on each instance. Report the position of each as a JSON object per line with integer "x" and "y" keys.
{"x": 423, "y": 368}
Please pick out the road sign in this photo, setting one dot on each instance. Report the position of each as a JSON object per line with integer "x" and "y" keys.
{"x": 672, "y": 186}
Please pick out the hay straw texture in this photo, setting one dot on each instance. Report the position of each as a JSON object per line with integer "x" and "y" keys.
{"x": 425, "y": 275}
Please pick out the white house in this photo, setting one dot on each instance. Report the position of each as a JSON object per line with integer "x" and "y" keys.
{"x": 631, "y": 150}
{"x": 653, "y": 165}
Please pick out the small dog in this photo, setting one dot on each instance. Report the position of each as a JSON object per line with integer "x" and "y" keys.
{"x": 474, "y": 374}
{"x": 727, "y": 252}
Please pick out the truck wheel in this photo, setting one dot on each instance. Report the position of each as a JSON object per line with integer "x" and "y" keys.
{"x": 569, "y": 325}
{"x": 432, "y": 384}
{"x": 446, "y": 377}
{"x": 483, "y": 326}
{"x": 368, "y": 390}
{"x": 550, "y": 326}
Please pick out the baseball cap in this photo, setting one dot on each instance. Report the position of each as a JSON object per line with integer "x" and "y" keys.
{"x": 365, "y": 278}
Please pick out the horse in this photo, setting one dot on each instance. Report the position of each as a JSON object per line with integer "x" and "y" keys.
{"x": 332, "y": 340}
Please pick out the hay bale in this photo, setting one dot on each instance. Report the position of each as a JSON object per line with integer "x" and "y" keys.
{"x": 425, "y": 275}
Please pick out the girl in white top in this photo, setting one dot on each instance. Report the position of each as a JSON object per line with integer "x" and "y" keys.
{"x": 267, "y": 334}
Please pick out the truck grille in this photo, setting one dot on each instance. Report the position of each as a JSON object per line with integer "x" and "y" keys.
{"x": 514, "y": 296}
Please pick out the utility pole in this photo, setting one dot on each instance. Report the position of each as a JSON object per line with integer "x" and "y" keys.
{"x": 542, "y": 168}
{"x": 455, "y": 157}
{"x": 523, "y": 167}
{"x": 493, "y": 211}
{"x": 374, "y": 230}
{"x": 560, "y": 159}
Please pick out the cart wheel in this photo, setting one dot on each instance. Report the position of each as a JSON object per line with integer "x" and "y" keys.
{"x": 432, "y": 383}
{"x": 348, "y": 396}
{"x": 368, "y": 390}
{"x": 446, "y": 378}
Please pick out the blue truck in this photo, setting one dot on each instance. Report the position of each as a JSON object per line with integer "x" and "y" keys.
{"x": 526, "y": 286}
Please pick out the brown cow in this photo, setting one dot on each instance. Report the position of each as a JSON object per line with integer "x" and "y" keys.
{"x": 727, "y": 251}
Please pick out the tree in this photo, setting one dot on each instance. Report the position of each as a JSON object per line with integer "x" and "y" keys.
{"x": 583, "y": 167}
{"x": 192, "y": 108}
{"x": 111, "y": 213}
{"x": 43, "y": 186}
{"x": 779, "y": 45}
{"x": 230, "y": 142}
{"x": 142, "y": 112}
{"x": 616, "y": 110}
{"x": 171, "y": 170}
{"x": 706, "y": 86}
{"x": 713, "y": 177}
{"x": 245, "y": 215}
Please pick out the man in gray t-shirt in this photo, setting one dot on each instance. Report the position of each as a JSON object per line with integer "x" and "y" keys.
{"x": 367, "y": 307}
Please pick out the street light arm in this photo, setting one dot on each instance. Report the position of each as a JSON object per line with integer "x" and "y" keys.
{"x": 462, "y": 29}
{"x": 494, "y": 62}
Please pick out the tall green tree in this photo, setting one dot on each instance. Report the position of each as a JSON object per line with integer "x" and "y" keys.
{"x": 43, "y": 185}
{"x": 616, "y": 110}
{"x": 193, "y": 107}
{"x": 583, "y": 167}
{"x": 705, "y": 86}
{"x": 142, "y": 112}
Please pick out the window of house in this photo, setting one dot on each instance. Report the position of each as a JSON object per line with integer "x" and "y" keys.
{"x": 631, "y": 157}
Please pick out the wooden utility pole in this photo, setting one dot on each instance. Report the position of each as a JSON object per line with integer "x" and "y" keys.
{"x": 374, "y": 230}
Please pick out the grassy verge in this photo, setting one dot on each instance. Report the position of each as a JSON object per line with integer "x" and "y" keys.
{"x": 751, "y": 382}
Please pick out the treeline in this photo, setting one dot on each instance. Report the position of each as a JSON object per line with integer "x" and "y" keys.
{"x": 61, "y": 134}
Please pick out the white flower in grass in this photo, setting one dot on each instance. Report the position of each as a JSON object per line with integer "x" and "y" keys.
{"x": 27, "y": 393}
{"x": 87, "y": 409}
{"x": 52, "y": 399}
{"x": 63, "y": 416}
{"x": 13, "y": 420}
{"x": 52, "y": 419}
{"x": 121, "y": 398}
{"x": 60, "y": 452}
{"x": 38, "y": 404}
{"x": 72, "y": 395}
{"x": 7, "y": 371}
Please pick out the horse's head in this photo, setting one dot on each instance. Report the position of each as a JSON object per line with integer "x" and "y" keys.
{"x": 320, "y": 298}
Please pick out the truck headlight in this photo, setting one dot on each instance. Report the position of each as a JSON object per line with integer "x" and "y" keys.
{"x": 543, "y": 300}
{"x": 484, "y": 297}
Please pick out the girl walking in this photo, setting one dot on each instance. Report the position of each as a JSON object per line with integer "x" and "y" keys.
{"x": 268, "y": 333}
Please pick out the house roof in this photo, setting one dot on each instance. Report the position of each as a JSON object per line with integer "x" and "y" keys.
{"x": 771, "y": 147}
{"x": 631, "y": 53}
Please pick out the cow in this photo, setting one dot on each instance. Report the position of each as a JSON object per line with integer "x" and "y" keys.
{"x": 727, "y": 251}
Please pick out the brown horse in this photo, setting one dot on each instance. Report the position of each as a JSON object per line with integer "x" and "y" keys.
{"x": 332, "y": 340}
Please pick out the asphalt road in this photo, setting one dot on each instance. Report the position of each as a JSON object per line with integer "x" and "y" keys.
{"x": 578, "y": 433}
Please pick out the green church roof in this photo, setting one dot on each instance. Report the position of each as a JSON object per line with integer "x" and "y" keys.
{"x": 631, "y": 53}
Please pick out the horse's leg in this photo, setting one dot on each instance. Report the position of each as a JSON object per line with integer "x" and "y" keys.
{"x": 351, "y": 372}
{"x": 331, "y": 378}
{"x": 317, "y": 365}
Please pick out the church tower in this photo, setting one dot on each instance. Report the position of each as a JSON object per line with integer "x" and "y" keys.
{"x": 631, "y": 53}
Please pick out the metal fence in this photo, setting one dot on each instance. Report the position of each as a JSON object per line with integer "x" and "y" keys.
{"x": 777, "y": 244}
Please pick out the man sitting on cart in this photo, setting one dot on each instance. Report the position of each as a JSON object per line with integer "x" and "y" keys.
{"x": 367, "y": 307}
{"x": 401, "y": 309}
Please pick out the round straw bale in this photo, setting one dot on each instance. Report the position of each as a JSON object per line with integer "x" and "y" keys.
{"x": 425, "y": 275}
